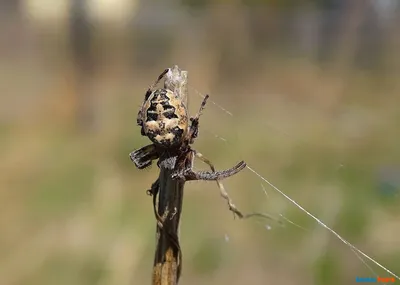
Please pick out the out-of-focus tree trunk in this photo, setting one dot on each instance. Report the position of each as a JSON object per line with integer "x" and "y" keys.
{"x": 153, "y": 29}
{"x": 11, "y": 27}
{"x": 331, "y": 18}
{"x": 372, "y": 37}
{"x": 80, "y": 44}
{"x": 350, "y": 22}
{"x": 10, "y": 8}
{"x": 394, "y": 46}
{"x": 228, "y": 32}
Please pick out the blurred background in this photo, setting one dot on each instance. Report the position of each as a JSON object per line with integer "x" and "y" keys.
{"x": 306, "y": 92}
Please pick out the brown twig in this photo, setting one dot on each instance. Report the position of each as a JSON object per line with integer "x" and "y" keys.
{"x": 169, "y": 190}
{"x": 167, "y": 261}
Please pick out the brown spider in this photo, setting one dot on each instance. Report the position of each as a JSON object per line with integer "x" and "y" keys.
{"x": 163, "y": 118}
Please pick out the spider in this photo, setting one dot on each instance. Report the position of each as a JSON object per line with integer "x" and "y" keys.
{"x": 163, "y": 118}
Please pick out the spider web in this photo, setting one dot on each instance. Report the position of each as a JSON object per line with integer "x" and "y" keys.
{"x": 361, "y": 255}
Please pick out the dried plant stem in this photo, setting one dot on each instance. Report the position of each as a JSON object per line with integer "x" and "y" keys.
{"x": 176, "y": 166}
{"x": 167, "y": 261}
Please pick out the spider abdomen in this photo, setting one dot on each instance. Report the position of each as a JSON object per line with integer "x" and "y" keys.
{"x": 164, "y": 118}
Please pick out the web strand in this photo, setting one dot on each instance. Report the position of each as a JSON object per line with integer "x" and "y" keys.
{"x": 322, "y": 224}
{"x": 356, "y": 251}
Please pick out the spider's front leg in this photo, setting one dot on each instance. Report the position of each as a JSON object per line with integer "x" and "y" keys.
{"x": 150, "y": 90}
{"x": 186, "y": 172}
{"x": 144, "y": 156}
{"x": 194, "y": 126}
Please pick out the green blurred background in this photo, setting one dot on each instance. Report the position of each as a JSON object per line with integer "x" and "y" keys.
{"x": 314, "y": 92}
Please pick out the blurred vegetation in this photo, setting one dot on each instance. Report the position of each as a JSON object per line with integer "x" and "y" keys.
{"x": 314, "y": 92}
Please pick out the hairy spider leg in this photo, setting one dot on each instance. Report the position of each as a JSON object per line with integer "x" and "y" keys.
{"x": 188, "y": 174}
{"x": 148, "y": 92}
{"x": 194, "y": 127}
{"x": 144, "y": 156}
{"x": 224, "y": 194}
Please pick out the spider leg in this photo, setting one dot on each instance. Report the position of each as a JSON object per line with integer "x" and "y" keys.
{"x": 186, "y": 173}
{"x": 139, "y": 122}
{"x": 144, "y": 156}
{"x": 155, "y": 83}
{"x": 194, "y": 127}
{"x": 221, "y": 187}
{"x": 189, "y": 174}
{"x": 153, "y": 191}
{"x": 155, "y": 188}
{"x": 224, "y": 194}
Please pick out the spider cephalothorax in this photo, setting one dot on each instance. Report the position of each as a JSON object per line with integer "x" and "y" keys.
{"x": 163, "y": 115}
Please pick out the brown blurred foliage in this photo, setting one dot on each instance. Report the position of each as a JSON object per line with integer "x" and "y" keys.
{"x": 313, "y": 88}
